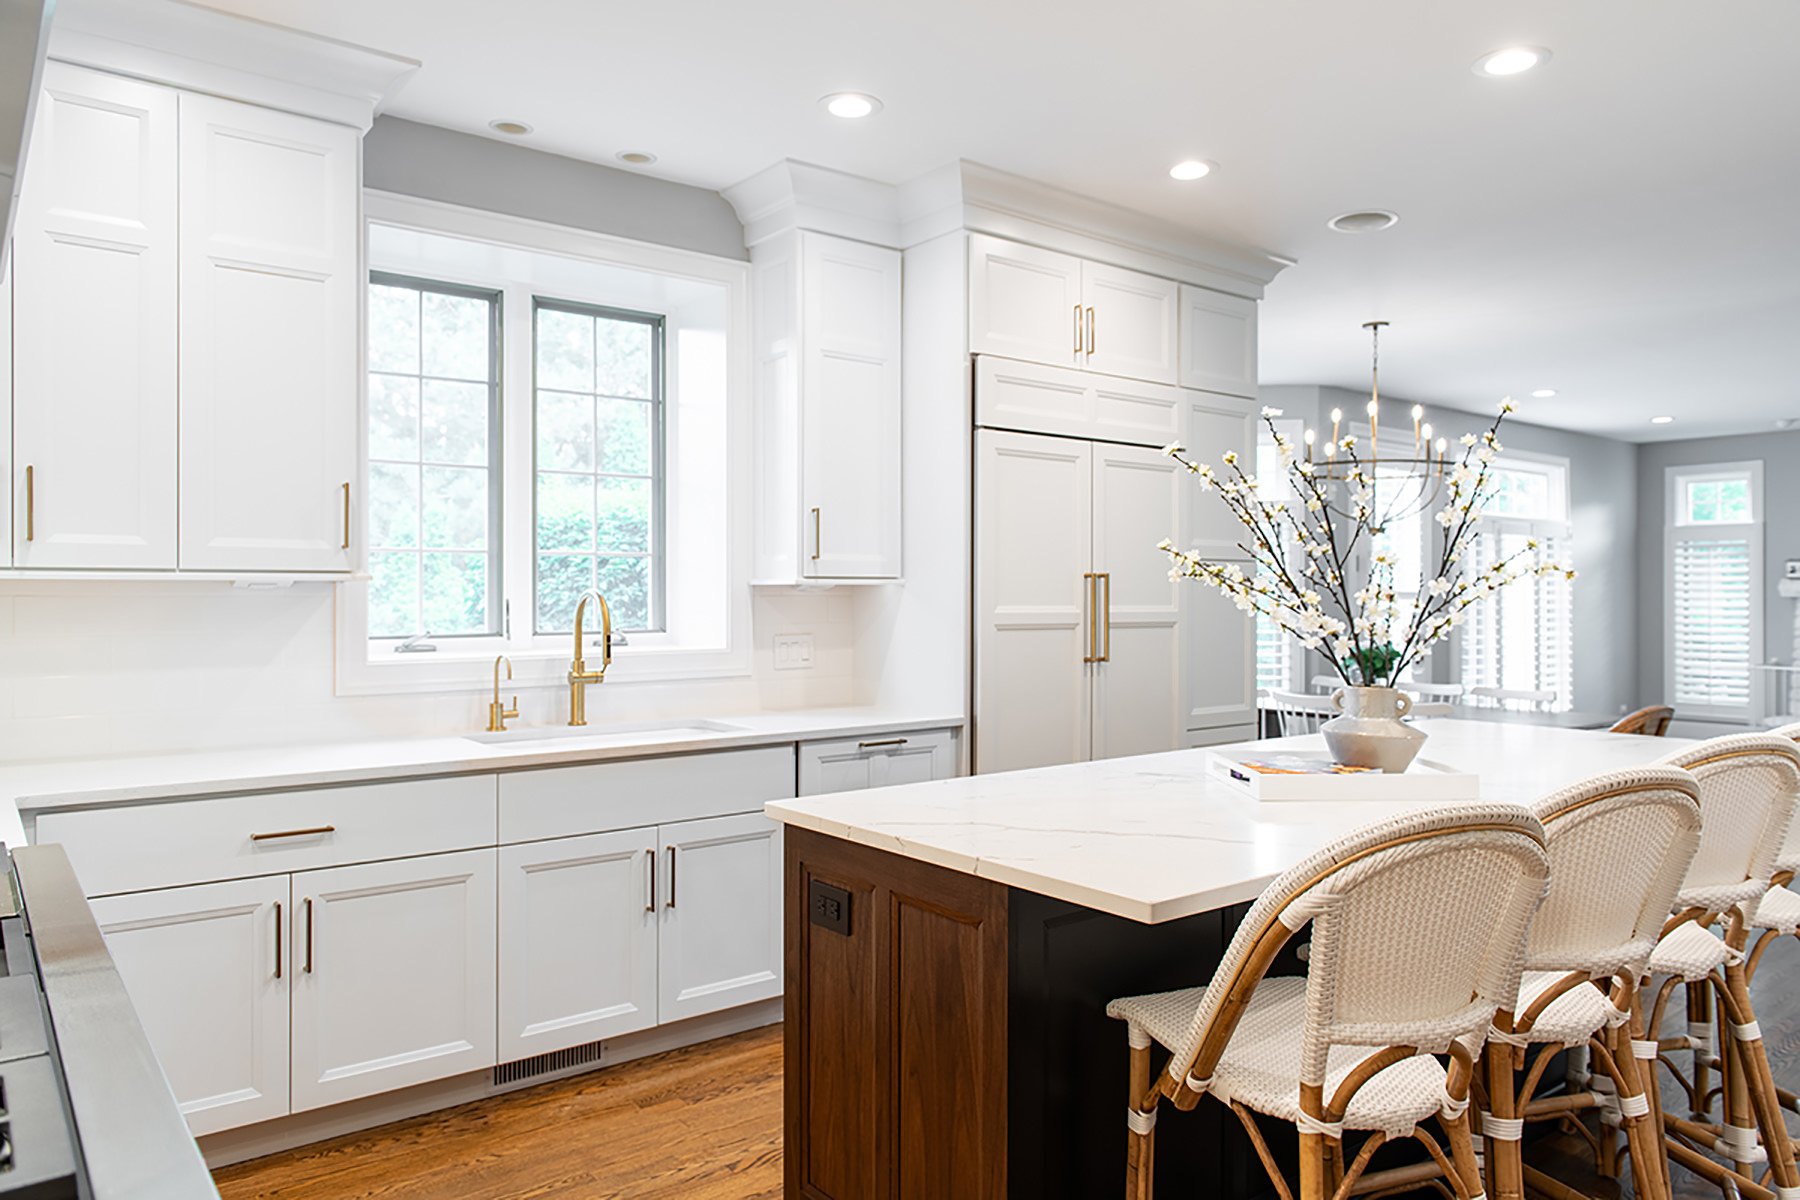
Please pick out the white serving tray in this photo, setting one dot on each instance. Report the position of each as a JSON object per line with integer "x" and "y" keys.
{"x": 1423, "y": 781}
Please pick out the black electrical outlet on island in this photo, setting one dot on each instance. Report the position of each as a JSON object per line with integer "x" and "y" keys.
{"x": 830, "y": 907}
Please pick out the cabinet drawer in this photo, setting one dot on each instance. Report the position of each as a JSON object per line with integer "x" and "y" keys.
{"x": 568, "y": 801}
{"x": 878, "y": 760}
{"x": 135, "y": 847}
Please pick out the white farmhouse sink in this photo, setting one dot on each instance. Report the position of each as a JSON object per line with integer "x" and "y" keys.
{"x": 611, "y": 733}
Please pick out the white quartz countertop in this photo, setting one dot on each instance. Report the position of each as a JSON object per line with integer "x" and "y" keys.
{"x": 1155, "y": 838}
{"x": 39, "y": 787}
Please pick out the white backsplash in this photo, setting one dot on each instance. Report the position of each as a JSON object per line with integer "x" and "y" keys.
{"x": 115, "y": 668}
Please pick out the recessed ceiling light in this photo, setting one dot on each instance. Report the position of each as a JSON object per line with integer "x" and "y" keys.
{"x": 1513, "y": 60}
{"x": 1543, "y": 393}
{"x": 1662, "y": 420}
{"x": 637, "y": 158}
{"x": 510, "y": 128}
{"x": 1371, "y": 220}
{"x": 852, "y": 106}
{"x": 1191, "y": 168}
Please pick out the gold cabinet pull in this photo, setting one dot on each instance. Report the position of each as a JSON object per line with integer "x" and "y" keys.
{"x": 346, "y": 515}
{"x": 278, "y": 939}
{"x": 671, "y": 877}
{"x": 1106, "y": 616}
{"x": 881, "y": 742}
{"x": 818, "y": 541}
{"x": 309, "y": 940}
{"x": 310, "y": 831}
{"x": 1090, "y": 348}
{"x": 650, "y": 856}
{"x": 1078, "y": 329}
{"x": 1092, "y": 602}
{"x": 30, "y": 504}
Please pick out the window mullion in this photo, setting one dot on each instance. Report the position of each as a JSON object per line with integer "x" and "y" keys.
{"x": 518, "y": 473}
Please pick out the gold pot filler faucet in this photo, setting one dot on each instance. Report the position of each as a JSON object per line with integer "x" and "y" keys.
{"x": 579, "y": 675}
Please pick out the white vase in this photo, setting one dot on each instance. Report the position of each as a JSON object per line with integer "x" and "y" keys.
{"x": 1368, "y": 731}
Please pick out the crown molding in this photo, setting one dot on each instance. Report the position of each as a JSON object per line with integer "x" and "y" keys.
{"x": 190, "y": 46}
{"x": 963, "y": 195}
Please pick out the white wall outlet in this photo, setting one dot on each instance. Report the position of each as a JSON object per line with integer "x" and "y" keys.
{"x": 793, "y": 651}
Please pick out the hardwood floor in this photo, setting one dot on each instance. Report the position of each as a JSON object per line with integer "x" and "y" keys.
{"x": 702, "y": 1123}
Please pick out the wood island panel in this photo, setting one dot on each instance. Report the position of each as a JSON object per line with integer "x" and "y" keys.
{"x": 895, "y": 1043}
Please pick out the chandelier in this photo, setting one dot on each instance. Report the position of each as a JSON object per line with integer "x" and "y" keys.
{"x": 1413, "y": 476}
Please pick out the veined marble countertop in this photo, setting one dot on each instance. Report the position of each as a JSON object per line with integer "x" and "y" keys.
{"x": 40, "y": 787}
{"x": 1155, "y": 838}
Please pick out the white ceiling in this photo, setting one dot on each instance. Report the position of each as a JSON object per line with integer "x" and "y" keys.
{"x": 1622, "y": 224}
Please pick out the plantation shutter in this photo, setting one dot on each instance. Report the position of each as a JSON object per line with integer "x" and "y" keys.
{"x": 1522, "y": 638}
{"x": 1712, "y": 582}
{"x": 1274, "y": 657}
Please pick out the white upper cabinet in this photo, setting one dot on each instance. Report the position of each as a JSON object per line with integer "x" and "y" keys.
{"x": 94, "y": 404}
{"x": 1025, "y": 302}
{"x": 1130, "y": 319}
{"x": 827, "y": 334}
{"x": 1044, "y": 307}
{"x": 1070, "y": 403}
{"x": 6, "y": 409}
{"x": 269, "y": 335}
{"x": 1218, "y": 342}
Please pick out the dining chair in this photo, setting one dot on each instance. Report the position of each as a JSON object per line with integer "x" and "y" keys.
{"x": 1324, "y": 685}
{"x": 1619, "y": 846}
{"x": 1434, "y": 693}
{"x": 1528, "y": 699}
{"x": 1748, "y": 783}
{"x": 1652, "y": 721}
{"x": 1423, "y": 708}
{"x": 1418, "y": 928}
{"x": 1297, "y": 713}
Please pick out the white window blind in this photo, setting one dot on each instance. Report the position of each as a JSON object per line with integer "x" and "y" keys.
{"x": 1712, "y": 582}
{"x": 1522, "y": 638}
{"x": 1274, "y": 657}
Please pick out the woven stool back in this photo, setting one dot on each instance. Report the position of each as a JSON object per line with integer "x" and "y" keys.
{"x": 1748, "y": 785}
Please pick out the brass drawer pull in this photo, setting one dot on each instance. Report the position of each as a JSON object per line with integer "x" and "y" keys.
{"x": 313, "y": 831}
{"x": 818, "y": 539}
{"x": 650, "y": 904}
{"x": 1106, "y": 613}
{"x": 30, "y": 503}
{"x": 1091, "y": 582}
{"x": 882, "y": 742}
{"x": 1078, "y": 329}
{"x": 278, "y": 939}
{"x": 1090, "y": 348}
{"x": 309, "y": 939}
{"x": 671, "y": 877}
{"x": 346, "y": 516}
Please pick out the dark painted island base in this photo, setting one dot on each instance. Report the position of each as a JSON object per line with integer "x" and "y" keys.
{"x": 947, "y": 1036}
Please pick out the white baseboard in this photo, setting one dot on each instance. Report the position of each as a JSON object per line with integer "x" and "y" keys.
{"x": 300, "y": 1129}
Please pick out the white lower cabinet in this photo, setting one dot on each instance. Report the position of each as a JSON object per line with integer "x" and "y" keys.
{"x": 578, "y": 921}
{"x": 720, "y": 942}
{"x": 393, "y": 975}
{"x": 208, "y": 973}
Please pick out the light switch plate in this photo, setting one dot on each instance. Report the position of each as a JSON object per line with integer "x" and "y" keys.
{"x": 793, "y": 651}
{"x": 1793, "y": 568}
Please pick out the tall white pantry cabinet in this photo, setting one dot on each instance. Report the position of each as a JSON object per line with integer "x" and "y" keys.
{"x": 1084, "y": 647}
{"x": 185, "y": 329}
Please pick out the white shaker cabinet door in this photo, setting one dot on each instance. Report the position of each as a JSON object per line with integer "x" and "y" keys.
{"x": 577, "y": 941}
{"x": 1216, "y": 425}
{"x": 269, "y": 338}
{"x": 208, "y": 975}
{"x": 94, "y": 336}
{"x": 919, "y": 758}
{"x": 393, "y": 975}
{"x": 721, "y": 939}
{"x": 1218, "y": 342}
{"x": 1219, "y": 660}
{"x": 1025, "y": 302}
{"x": 1034, "y": 627}
{"x": 850, "y": 405}
{"x": 1131, "y": 327}
{"x": 1140, "y": 498}
{"x": 6, "y": 377}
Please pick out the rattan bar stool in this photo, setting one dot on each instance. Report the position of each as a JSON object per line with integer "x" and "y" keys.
{"x": 1418, "y": 927}
{"x": 1748, "y": 784}
{"x": 1619, "y": 845}
{"x": 1777, "y": 914}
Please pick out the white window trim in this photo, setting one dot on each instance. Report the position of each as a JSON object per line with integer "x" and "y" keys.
{"x": 467, "y": 664}
{"x": 1675, "y": 530}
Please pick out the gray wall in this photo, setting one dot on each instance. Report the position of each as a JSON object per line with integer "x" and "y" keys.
{"x": 1603, "y": 497}
{"x": 1780, "y": 455}
{"x": 460, "y": 168}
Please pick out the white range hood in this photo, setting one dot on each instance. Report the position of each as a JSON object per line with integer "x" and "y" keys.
{"x": 24, "y": 34}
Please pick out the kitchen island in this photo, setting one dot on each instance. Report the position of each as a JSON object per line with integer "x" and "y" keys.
{"x": 951, "y": 947}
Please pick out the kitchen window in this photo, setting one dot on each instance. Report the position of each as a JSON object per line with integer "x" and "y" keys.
{"x": 1713, "y": 541}
{"x": 547, "y": 410}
